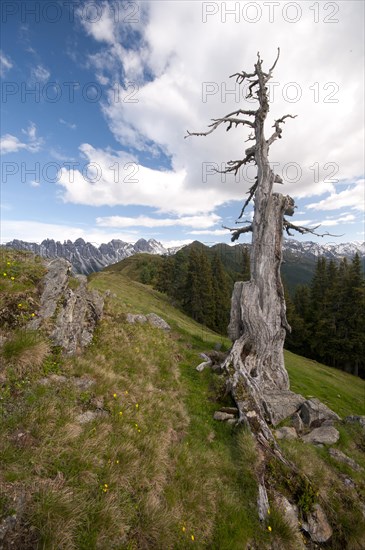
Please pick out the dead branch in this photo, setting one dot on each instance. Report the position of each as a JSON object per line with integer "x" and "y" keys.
{"x": 250, "y": 193}
{"x": 278, "y": 130}
{"x": 237, "y": 232}
{"x": 304, "y": 230}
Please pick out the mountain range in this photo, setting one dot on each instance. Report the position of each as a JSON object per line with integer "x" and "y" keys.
{"x": 299, "y": 258}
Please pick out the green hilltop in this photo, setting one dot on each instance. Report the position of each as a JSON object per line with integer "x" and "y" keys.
{"x": 151, "y": 468}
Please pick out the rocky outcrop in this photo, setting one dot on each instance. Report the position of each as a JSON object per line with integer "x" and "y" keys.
{"x": 69, "y": 316}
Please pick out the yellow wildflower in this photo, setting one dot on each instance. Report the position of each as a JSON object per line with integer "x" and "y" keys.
{"x": 137, "y": 405}
{"x": 126, "y": 392}
{"x": 120, "y": 413}
{"x": 114, "y": 395}
{"x": 20, "y": 305}
{"x": 4, "y": 274}
{"x": 268, "y": 511}
{"x": 269, "y": 529}
{"x": 8, "y": 263}
{"x": 183, "y": 528}
{"x": 192, "y": 537}
{"x": 12, "y": 278}
{"x": 117, "y": 462}
{"x": 32, "y": 314}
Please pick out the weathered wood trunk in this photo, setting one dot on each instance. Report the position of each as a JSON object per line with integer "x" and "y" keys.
{"x": 255, "y": 363}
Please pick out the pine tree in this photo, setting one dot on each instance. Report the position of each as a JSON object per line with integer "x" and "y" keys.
{"x": 221, "y": 295}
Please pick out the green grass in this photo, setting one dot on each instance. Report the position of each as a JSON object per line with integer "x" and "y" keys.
{"x": 156, "y": 471}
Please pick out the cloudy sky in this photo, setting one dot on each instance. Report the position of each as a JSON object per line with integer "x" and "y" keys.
{"x": 98, "y": 96}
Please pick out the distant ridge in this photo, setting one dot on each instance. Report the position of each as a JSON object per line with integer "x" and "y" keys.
{"x": 87, "y": 258}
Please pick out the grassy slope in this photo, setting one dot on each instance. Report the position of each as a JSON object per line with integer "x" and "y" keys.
{"x": 156, "y": 471}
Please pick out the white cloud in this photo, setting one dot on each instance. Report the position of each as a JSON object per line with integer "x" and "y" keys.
{"x": 352, "y": 197}
{"x": 35, "y": 183}
{"x": 322, "y": 147}
{"x": 12, "y": 144}
{"x": 5, "y": 64}
{"x": 145, "y": 221}
{"x": 70, "y": 125}
{"x": 98, "y": 21}
{"x": 119, "y": 180}
{"x": 40, "y": 74}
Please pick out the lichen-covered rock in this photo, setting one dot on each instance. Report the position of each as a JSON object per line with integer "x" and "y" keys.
{"x": 157, "y": 321}
{"x": 317, "y": 525}
{"x": 327, "y": 435}
{"x": 281, "y": 404}
{"x": 68, "y": 316}
{"x": 135, "y": 318}
{"x": 314, "y": 413}
{"x": 77, "y": 317}
{"x": 54, "y": 284}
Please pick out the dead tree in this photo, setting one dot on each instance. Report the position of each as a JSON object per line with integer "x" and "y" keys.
{"x": 258, "y": 323}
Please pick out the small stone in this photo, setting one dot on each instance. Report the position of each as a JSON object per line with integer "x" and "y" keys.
{"x": 222, "y": 416}
{"x": 229, "y": 410}
{"x": 286, "y": 433}
{"x": 232, "y": 421}
{"x": 325, "y": 434}
{"x": 202, "y": 366}
{"x": 89, "y": 416}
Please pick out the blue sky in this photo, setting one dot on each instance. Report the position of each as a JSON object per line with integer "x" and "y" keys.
{"x": 96, "y": 98}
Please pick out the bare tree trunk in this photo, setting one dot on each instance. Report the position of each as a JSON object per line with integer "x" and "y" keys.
{"x": 258, "y": 324}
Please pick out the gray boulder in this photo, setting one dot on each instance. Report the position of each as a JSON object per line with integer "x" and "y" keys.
{"x": 317, "y": 525}
{"x": 314, "y": 413}
{"x": 279, "y": 405}
{"x": 77, "y": 318}
{"x": 157, "y": 321}
{"x": 327, "y": 435}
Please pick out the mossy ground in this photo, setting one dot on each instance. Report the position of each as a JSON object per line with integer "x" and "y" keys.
{"x": 155, "y": 471}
